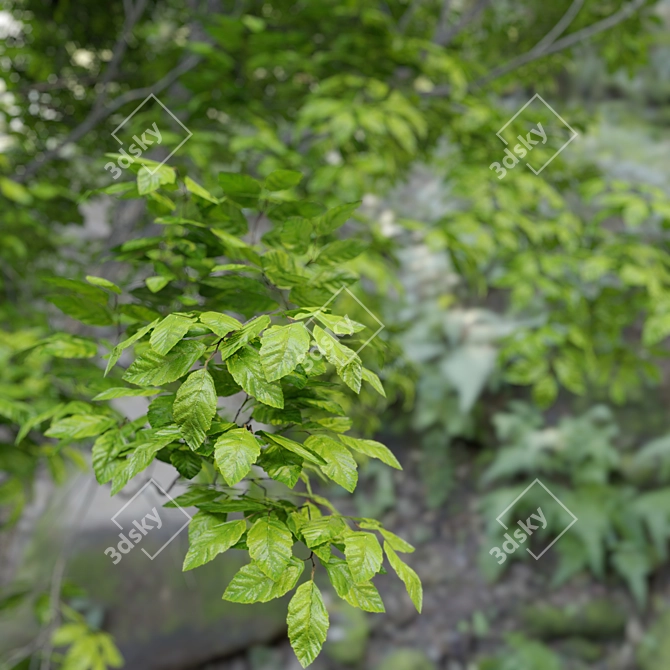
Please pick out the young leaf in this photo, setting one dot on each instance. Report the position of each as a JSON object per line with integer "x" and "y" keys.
{"x": 364, "y": 555}
{"x": 251, "y": 585}
{"x": 246, "y": 368}
{"x": 195, "y": 406}
{"x": 374, "y": 381}
{"x": 235, "y": 452}
{"x": 340, "y": 464}
{"x": 169, "y": 331}
{"x": 364, "y": 595}
{"x": 322, "y": 530}
{"x": 79, "y": 426}
{"x": 373, "y": 449}
{"x": 221, "y": 324}
{"x": 104, "y": 453}
{"x": 335, "y": 217}
{"x": 209, "y": 535}
{"x": 346, "y": 362}
{"x": 270, "y": 545}
{"x": 307, "y": 622}
{"x": 119, "y": 348}
{"x": 282, "y": 349}
{"x": 408, "y": 576}
{"x": 103, "y": 283}
{"x": 153, "y": 369}
{"x": 125, "y": 392}
{"x": 394, "y": 541}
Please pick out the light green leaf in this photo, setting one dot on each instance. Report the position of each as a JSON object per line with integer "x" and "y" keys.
{"x": 103, "y": 283}
{"x": 198, "y": 190}
{"x": 346, "y": 362}
{"x": 169, "y": 331}
{"x": 407, "y": 575}
{"x": 270, "y": 545}
{"x": 251, "y": 585}
{"x": 235, "y": 452}
{"x": 364, "y": 595}
{"x": 295, "y": 447}
{"x": 195, "y": 406}
{"x": 340, "y": 325}
{"x": 307, "y": 623}
{"x": 340, "y": 464}
{"x": 218, "y": 323}
{"x": 373, "y": 449}
{"x": 105, "y": 450}
{"x": 119, "y": 348}
{"x": 364, "y": 555}
{"x": 247, "y": 370}
{"x": 124, "y": 392}
{"x": 283, "y": 348}
{"x": 340, "y": 251}
{"x": 334, "y": 218}
{"x": 210, "y": 535}
{"x": 79, "y": 426}
{"x": 147, "y": 181}
{"x": 239, "y": 186}
{"x": 322, "y": 530}
{"x": 374, "y": 381}
{"x": 155, "y": 284}
{"x": 67, "y": 346}
{"x": 247, "y": 333}
{"x": 153, "y": 369}
{"x": 280, "y": 180}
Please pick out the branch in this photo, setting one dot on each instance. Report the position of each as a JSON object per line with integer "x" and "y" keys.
{"x": 462, "y": 23}
{"x": 548, "y": 45}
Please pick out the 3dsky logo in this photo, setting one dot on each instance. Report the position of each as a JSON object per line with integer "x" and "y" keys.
{"x": 533, "y": 135}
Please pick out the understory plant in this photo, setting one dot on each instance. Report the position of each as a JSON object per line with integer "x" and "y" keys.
{"x": 225, "y": 311}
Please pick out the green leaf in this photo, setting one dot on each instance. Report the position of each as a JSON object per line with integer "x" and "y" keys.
{"x": 280, "y": 180}
{"x": 153, "y": 369}
{"x": 322, "y": 530}
{"x": 169, "y": 331}
{"x": 119, "y": 348}
{"x": 374, "y": 381}
{"x": 340, "y": 325}
{"x": 346, "y": 362}
{"x": 407, "y": 575}
{"x": 195, "y": 407}
{"x": 124, "y": 392}
{"x": 155, "y": 284}
{"x": 67, "y": 346}
{"x": 15, "y": 191}
{"x": 283, "y": 466}
{"x": 295, "y": 234}
{"x": 187, "y": 463}
{"x": 235, "y": 452}
{"x": 83, "y": 309}
{"x": 295, "y": 447}
{"x": 307, "y": 623}
{"x": 246, "y": 368}
{"x": 198, "y": 190}
{"x": 372, "y": 449}
{"x": 79, "y": 426}
{"x": 210, "y": 535}
{"x": 340, "y": 251}
{"x": 251, "y": 585}
{"x": 246, "y": 334}
{"x": 104, "y": 454}
{"x": 364, "y": 555}
{"x": 103, "y": 283}
{"x": 239, "y": 187}
{"x": 270, "y": 545}
{"x": 282, "y": 349}
{"x": 340, "y": 464}
{"x": 364, "y": 595}
{"x": 147, "y": 181}
{"x": 221, "y": 324}
{"x": 334, "y": 218}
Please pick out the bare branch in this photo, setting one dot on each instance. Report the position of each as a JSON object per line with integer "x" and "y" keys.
{"x": 462, "y": 23}
{"x": 560, "y": 27}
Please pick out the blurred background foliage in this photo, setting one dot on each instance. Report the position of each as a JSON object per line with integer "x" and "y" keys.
{"x": 526, "y": 319}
